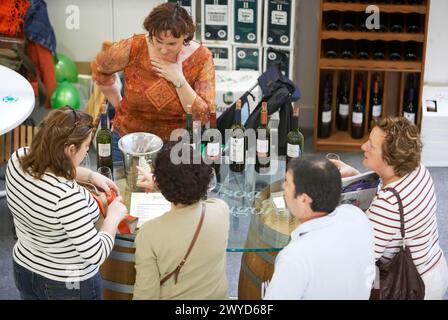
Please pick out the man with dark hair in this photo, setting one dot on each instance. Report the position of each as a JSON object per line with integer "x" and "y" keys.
{"x": 331, "y": 253}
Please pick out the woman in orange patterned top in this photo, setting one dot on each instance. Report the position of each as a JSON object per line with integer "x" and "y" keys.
{"x": 164, "y": 72}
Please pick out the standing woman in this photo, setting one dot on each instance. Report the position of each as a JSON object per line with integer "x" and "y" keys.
{"x": 59, "y": 251}
{"x": 164, "y": 72}
{"x": 393, "y": 151}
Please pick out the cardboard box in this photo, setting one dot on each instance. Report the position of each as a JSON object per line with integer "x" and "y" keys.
{"x": 285, "y": 59}
{"x": 216, "y": 21}
{"x": 247, "y": 19}
{"x": 279, "y": 21}
{"x": 247, "y": 58}
{"x": 222, "y": 56}
{"x": 231, "y": 85}
{"x": 434, "y": 129}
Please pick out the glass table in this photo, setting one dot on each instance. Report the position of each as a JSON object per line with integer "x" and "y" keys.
{"x": 258, "y": 228}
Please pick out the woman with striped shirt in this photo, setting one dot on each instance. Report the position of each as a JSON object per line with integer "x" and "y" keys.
{"x": 59, "y": 251}
{"x": 393, "y": 151}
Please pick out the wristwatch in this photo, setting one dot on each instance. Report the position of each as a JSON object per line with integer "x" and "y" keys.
{"x": 179, "y": 84}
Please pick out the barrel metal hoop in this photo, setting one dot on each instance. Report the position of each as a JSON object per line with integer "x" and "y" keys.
{"x": 124, "y": 243}
{"x": 118, "y": 287}
{"x": 253, "y": 277}
{"x": 122, "y": 256}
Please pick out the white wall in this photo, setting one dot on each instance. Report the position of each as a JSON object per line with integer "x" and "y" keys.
{"x": 436, "y": 72}
{"x": 102, "y": 20}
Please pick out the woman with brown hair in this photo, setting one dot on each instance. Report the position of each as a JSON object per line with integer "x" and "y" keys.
{"x": 164, "y": 72}
{"x": 393, "y": 151}
{"x": 59, "y": 251}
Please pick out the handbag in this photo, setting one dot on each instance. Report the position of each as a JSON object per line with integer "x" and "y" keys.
{"x": 176, "y": 271}
{"x": 399, "y": 278}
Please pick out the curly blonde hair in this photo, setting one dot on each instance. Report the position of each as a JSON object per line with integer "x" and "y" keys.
{"x": 402, "y": 146}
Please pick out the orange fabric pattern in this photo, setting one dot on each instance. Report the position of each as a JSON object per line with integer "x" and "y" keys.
{"x": 151, "y": 103}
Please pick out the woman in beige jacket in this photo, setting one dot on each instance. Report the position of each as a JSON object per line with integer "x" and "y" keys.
{"x": 162, "y": 243}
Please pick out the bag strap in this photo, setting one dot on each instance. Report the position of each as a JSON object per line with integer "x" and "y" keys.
{"x": 401, "y": 210}
{"x": 181, "y": 264}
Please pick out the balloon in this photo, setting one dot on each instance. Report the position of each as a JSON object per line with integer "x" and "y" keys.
{"x": 65, "y": 68}
{"x": 65, "y": 94}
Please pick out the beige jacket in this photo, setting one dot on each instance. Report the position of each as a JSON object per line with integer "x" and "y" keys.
{"x": 162, "y": 243}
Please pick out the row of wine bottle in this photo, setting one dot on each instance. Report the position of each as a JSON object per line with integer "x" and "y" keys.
{"x": 387, "y": 22}
{"x": 359, "y": 110}
{"x": 375, "y": 50}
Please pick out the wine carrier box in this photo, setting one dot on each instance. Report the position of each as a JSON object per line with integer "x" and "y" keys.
{"x": 279, "y": 21}
{"x": 189, "y": 5}
{"x": 222, "y": 56}
{"x": 247, "y": 58}
{"x": 231, "y": 85}
{"x": 216, "y": 22}
{"x": 284, "y": 57}
{"x": 247, "y": 20}
{"x": 434, "y": 129}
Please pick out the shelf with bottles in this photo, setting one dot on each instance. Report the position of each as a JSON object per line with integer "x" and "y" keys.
{"x": 391, "y": 26}
{"x": 349, "y": 100}
{"x": 390, "y": 6}
{"x": 366, "y": 55}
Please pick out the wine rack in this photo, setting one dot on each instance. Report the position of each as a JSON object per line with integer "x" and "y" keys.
{"x": 393, "y": 53}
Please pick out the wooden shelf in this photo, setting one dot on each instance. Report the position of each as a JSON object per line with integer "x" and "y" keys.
{"x": 340, "y": 141}
{"x": 373, "y": 36}
{"x": 379, "y": 65}
{"x": 361, "y": 7}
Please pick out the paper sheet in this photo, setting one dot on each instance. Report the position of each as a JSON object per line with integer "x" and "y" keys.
{"x": 148, "y": 206}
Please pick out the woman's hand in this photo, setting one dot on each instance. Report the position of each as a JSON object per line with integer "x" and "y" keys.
{"x": 345, "y": 169}
{"x": 104, "y": 183}
{"x": 147, "y": 182}
{"x": 170, "y": 71}
{"x": 117, "y": 210}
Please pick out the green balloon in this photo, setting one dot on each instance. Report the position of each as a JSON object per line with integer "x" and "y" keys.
{"x": 65, "y": 68}
{"x": 65, "y": 94}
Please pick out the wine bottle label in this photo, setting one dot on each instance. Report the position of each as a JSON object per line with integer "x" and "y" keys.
{"x": 357, "y": 118}
{"x": 245, "y": 15}
{"x": 343, "y": 109}
{"x": 279, "y": 18}
{"x": 410, "y": 117}
{"x": 213, "y": 149}
{"x": 326, "y": 116}
{"x": 376, "y": 110}
{"x": 293, "y": 150}
{"x": 262, "y": 146}
{"x": 237, "y": 149}
{"x": 216, "y": 15}
{"x": 104, "y": 150}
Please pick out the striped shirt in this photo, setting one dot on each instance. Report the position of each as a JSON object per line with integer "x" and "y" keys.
{"x": 54, "y": 220}
{"x": 419, "y": 204}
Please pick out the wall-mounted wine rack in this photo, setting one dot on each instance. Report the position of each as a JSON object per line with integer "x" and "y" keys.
{"x": 393, "y": 52}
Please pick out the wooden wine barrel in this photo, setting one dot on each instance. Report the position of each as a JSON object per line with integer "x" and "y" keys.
{"x": 268, "y": 233}
{"x": 118, "y": 271}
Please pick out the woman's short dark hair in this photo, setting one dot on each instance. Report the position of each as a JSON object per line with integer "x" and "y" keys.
{"x": 320, "y": 180}
{"x": 181, "y": 183}
{"x": 170, "y": 17}
{"x": 60, "y": 128}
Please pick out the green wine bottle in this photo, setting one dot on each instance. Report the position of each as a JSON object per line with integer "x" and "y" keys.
{"x": 263, "y": 140}
{"x": 296, "y": 142}
{"x": 237, "y": 142}
{"x": 104, "y": 143}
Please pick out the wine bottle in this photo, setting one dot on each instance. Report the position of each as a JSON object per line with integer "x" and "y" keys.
{"x": 343, "y": 108}
{"x": 325, "y": 122}
{"x": 410, "y": 108}
{"x": 358, "y": 114}
{"x": 332, "y": 21}
{"x": 376, "y": 102}
{"x": 347, "y": 49}
{"x": 331, "y": 49}
{"x": 410, "y": 51}
{"x": 212, "y": 145}
{"x": 295, "y": 138}
{"x": 189, "y": 127}
{"x": 237, "y": 142}
{"x": 104, "y": 142}
{"x": 348, "y": 22}
{"x": 396, "y": 22}
{"x": 378, "y": 50}
{"x": 262, "y": 162}
{"x": 362, "y": 50}
{"x": 395, "y": 49}
{"x": 413, "y": 23}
